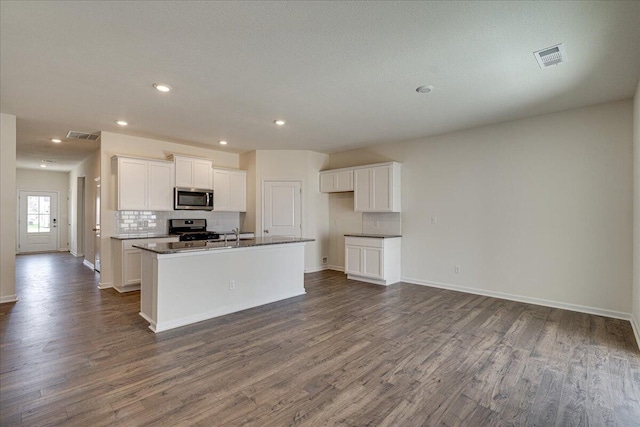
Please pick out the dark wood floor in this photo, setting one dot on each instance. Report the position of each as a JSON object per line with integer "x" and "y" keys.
{"x": 347, "y": 353}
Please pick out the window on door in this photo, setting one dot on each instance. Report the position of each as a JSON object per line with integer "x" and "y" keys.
{"x": 38, "y": 214}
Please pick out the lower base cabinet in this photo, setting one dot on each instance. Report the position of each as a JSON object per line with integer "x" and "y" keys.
{"x": 373, "y": 259}
{"x": 126, "y": 262}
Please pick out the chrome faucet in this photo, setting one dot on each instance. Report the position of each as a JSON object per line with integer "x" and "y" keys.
{"x": 236, "y": 231}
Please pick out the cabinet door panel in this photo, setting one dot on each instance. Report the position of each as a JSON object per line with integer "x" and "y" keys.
{"x": 238, "y": 191}
{"x": 362, "y": 188}
{"x": 353, "y": 260}
{"x": 132, "y": 184}
{"x": 372, "y": 262}
{"x": 221, "y": 194}
{"x": 184, "y": 173}
{"x": 132, "y": 267}
{"x": 381, "y": 186}
{"x": 327, "y": 182}
{"x": 160, "y": 186}
{"x": 202, "y": 174}
{"x": 344, "y": 181}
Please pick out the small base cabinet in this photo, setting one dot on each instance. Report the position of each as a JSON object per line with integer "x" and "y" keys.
{"x": 373, "y": 259}
{"x": 126, "y": 262}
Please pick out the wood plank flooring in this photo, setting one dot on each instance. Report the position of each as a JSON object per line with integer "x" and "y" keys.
{"x": 347, "y": 353}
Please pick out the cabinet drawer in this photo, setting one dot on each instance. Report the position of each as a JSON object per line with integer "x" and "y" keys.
{"x": 369, "y": 242}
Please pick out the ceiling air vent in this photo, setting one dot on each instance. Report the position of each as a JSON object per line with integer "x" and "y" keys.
{"x": 553, "y": 55}
{"x": 83, "y": 135}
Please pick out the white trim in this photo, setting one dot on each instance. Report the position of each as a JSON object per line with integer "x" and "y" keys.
{"x": 245, "y": 305}
{"x": 88, "y": 264}
{"x": 105, "y": 285}
{"x": 152, "y": 324}
{"x": 529, "y": 300}
{"x": 8, "y": 298}
{"x": 125, "y": 289}
{"x": 75, "y": 254}
{"x": 636, "y": 329}
{"x": 316, "y": 269}
{"x": 335, "y": 268}
{"x": 63, "y": 250}
{"x": 381, "y": 282}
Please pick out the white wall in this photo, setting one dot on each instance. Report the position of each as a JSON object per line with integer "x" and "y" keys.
{"x": 90, "y": 170}
{"x": 41, "y": 180}
{"x": 113, "y": 144}
{"x": 538, "y": 208}
{"x": 7, "y": 208}
{"x": 636, "y": 213}
{"x": 297, "y": 165}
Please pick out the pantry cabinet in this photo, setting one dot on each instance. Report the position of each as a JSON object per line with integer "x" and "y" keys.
{"x": 229, "y": 190}
{"x": 193, "y": 172}
{"x": 143, "y": 184}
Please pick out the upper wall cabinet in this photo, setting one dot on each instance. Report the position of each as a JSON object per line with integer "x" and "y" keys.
{"x": 192, "y": 172}
{"x": 144, "y": 184}
{"x": 376, "y": 187}
{"x": 336, "y": 181}
{"x": 229, "y": 190}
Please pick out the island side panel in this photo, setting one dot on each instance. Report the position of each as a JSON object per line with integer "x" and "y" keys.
{"x": 195, "y": 286}
{"x": 148, "y": 286}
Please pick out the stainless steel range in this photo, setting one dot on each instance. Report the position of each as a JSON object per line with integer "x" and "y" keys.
{"x": 191, "y": 229}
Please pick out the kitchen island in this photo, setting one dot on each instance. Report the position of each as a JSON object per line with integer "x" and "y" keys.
{"x": 188, "y": 282}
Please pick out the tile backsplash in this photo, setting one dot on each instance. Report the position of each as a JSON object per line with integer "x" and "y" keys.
{"x": 157, "y": 222}
{"x": 381, "y": 222}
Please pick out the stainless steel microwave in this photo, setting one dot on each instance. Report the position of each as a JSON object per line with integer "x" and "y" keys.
{"x": 194, "y": 199}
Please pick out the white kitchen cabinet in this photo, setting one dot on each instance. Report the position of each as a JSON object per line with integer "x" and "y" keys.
{"x": 229, "y": 190}
{"x": 373, "y": 259}
{"x": 377, "y": 188}
{"x": 336, "y": 181}
{"x": 144, "y": 184}
{"x": 192, "y": 172}
{"x": 126, "y": 261}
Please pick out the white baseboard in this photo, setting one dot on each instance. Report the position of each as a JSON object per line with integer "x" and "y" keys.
{"x": 636, "y": 329}
{"x": 75, "y": 254}
{"x": 335, "y": 268}
{"x": 519, "y": 298}
{"x": 88, "y": 264}
{"x": 124, "y": 290}
{"x": 8, "y": 298}
{"x": 105, "y": 285}
{"x": 316, "y": 269}
{"x": 63, "y": 250}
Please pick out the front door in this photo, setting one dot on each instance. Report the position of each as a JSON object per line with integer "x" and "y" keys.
{"x": 38, "y": 221}
{"x": 281, "y": 211}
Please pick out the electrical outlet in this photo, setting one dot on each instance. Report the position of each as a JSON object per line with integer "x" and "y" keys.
{"x": 434, "y": 220}
{"x": 232, "y": 284}
{"x": 457, "y": 269}
{"x": 325, "y": 260}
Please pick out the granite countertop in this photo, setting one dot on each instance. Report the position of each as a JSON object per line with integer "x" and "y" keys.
{"x": 141, "y": 236}
{"x": 373, "y": 236}
{"x": 205, "y": 245}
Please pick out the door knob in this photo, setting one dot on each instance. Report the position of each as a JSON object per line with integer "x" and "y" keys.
{"x": 266, "y": 231}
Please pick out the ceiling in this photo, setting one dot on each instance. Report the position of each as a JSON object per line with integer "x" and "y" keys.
{"x": 342, "y": 74}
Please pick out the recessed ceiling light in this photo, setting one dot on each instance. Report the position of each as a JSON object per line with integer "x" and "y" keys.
{"x": 424, "y": 89}
{"x": 56, "y": 140}
{"x": 223, "y": 142}
{"x": 121, "y": 123}
{"x": 279, "y": 122}
{"x": 162, "y": 87}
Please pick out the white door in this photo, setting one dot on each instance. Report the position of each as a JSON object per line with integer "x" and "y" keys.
{"x": 281, "y": 210}
{"x": 96, "y": 229}
{"x": 38, "y": 221}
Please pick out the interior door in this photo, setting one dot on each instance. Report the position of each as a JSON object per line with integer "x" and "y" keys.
{"x": 281, "y": 208}
{"x": 96, "y": 229}
{"x": 38, "y": 221}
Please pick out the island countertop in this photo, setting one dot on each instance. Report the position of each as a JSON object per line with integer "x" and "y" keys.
{"x": 205, "y": 245}
{"x": 374, "y": 236}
